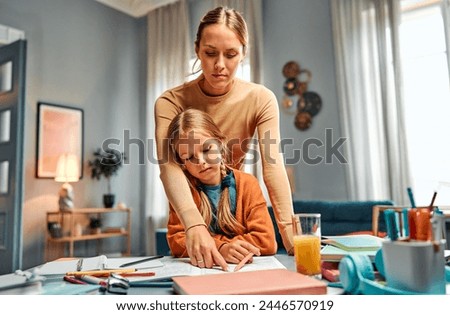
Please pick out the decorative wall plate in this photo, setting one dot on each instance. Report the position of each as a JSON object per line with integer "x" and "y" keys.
{"x": 291, "y": 70}
{"x": 303, "y": 120}
{"x": 309, "y": 102}
{"x": 296, "y": 85}
{"x": 291, "y": 86}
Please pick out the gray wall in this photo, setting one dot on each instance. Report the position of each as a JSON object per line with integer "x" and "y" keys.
{"x": 83, "y": 54}
{"x": 300, "y": 30}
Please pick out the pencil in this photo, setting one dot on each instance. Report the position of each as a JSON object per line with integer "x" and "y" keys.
{"x": 100, "y": 273}
{"x": 430, "y": 207}
{"x": 138, "y": 274}
{"x": 243, "y": 261}
{"x": 140, "y": 261}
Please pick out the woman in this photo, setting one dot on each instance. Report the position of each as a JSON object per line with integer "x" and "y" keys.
{"x": 239, "y": 108}
{"x": 230, "y": 201}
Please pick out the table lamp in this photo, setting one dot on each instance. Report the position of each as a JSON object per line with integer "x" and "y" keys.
{"x": 67, "y": 171}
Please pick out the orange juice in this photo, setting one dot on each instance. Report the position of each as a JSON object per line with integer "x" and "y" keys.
{"x": 307, "y": 254}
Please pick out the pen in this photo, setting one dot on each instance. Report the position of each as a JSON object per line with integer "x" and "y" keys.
{"x": 405, "y": 222}
{"x": 411, "y": 197}
{"x": 73, "y": 280}
{"x": 93, "y": 280}
{"x": 391, "y": 224}
{"x": 100, "y": 273}
{"x": 140, "y": 261}
{"x": 243, "y": 261}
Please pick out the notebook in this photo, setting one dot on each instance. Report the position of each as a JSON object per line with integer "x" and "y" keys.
{"x": 259, "y": 282}
{"x": 332, "y": 253}
{"x": 62, "y": 266}
{"x": 353, "y": 243}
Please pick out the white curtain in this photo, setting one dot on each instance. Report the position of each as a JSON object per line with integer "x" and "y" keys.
{"x": 370, "y": 95}
{"x": 445, "y": 7}
{"x": 168, "y": 60}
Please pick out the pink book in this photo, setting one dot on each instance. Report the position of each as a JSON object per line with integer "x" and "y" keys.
{"x": 260, "y": 282}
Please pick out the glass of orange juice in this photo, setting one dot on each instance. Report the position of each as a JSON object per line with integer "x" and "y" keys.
{"x": 306, "y": 227}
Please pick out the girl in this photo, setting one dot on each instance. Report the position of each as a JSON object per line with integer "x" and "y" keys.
{"x": 230, "y": 201}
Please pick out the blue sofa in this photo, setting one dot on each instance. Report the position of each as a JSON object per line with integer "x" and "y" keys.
{"x": 337, "y": 218}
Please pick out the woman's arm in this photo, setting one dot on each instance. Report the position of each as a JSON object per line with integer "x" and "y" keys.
{"x": 274, "y": 172}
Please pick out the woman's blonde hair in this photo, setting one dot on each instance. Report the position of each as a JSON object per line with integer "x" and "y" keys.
{"x": 191, "y": 121}
{"x": 228, "y": 17}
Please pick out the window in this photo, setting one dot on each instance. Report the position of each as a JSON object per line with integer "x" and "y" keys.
{"x": 424, "y": 54}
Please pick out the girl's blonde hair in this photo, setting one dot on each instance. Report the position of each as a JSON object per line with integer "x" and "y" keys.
{"x": 191, "y": 121}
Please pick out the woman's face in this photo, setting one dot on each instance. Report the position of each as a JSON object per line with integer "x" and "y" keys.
{"x": 200, "y": 156}
{"x": 220, "y": 53}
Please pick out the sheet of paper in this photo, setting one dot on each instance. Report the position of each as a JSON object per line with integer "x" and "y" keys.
{"x": 182, "y": 267}
{"x": 61, "y": 266}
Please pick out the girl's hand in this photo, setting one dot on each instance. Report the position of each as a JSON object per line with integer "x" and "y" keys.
{"x": 235, "y": 251}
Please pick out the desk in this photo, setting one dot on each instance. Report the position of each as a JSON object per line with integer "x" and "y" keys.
{"x": 287, "y": 261}
{"x": 284, "y": 259}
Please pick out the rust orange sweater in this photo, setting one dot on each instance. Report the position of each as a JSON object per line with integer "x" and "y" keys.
{"x": 251, "y": 212}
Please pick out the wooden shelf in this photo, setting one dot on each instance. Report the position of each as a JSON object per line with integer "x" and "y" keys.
{"x": 67, "y": 221}
{"x": 85, "y": 237}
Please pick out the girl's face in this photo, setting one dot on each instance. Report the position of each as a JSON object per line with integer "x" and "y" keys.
{"x": 220, "y": 53}
{"x": 200, "y": 156}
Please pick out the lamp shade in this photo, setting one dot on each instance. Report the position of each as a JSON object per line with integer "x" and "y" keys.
{"x": 67, "y": 169}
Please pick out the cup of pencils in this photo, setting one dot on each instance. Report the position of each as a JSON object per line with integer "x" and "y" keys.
{"x": 306, "y": 227}
{"x": 414, "y": 257}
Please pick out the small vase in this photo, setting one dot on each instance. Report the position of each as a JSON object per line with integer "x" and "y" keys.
{"x": 108, "y": 200}
{"x": 96, "y": 230}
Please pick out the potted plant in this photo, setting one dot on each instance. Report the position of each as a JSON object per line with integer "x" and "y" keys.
{"x": 106, "y": 163}
{"x": 95, "y": 225}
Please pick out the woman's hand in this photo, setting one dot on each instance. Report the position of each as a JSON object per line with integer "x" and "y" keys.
{"x": 235, "y": 251}
{"x": 202, "y": 249}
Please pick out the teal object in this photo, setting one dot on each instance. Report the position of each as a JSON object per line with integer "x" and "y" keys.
{"x": 357, "y": 277}
{"x": 379, "y": 262}
{"x": 391, "y": 224}
{"x": 405, "y": 222}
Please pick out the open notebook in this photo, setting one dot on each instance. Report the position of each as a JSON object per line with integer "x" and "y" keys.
{"x": 61, "y": 266}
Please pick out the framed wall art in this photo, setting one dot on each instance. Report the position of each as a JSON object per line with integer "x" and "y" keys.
{"x": 60, "y": 131}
